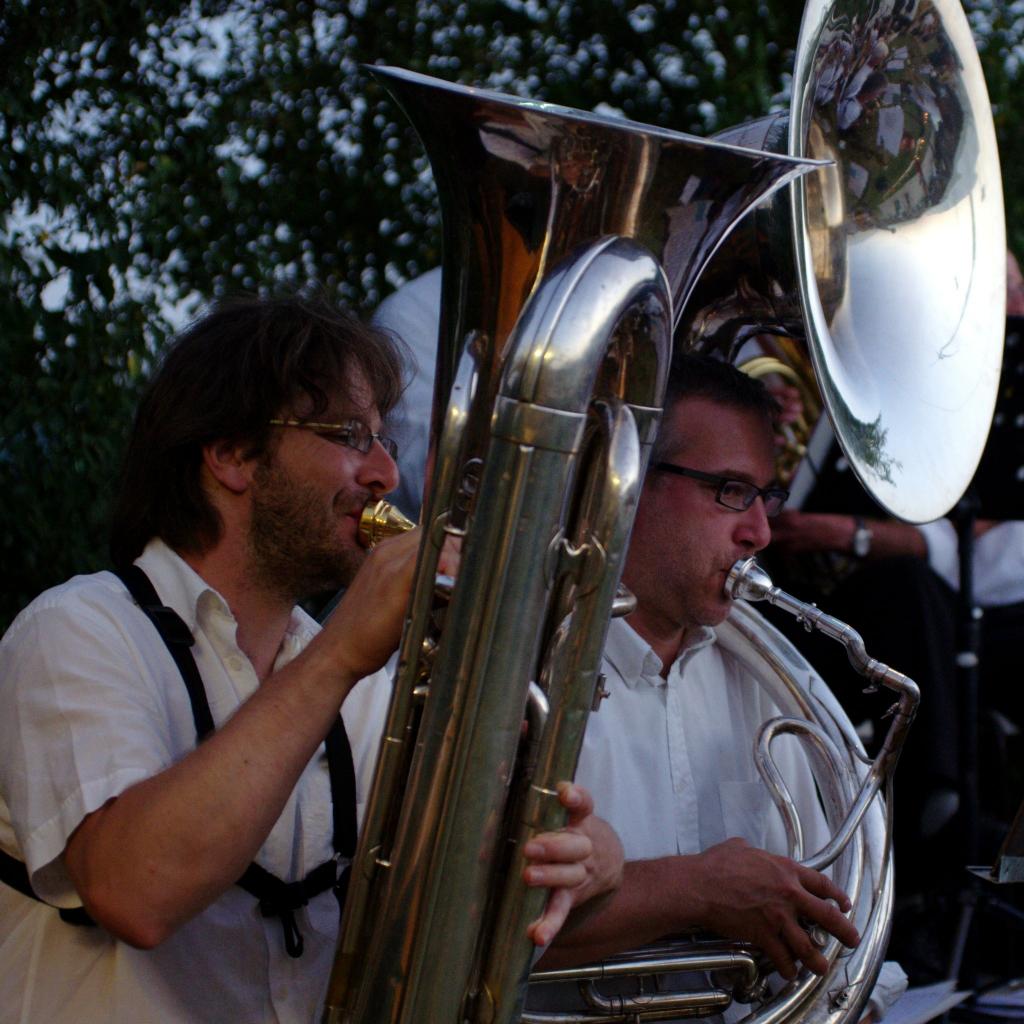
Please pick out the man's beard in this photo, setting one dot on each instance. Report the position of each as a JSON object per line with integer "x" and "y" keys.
{"x": 294, "y": 542}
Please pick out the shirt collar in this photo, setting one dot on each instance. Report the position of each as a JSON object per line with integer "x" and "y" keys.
{"x": 635, "y": 661}
{"x": 180, "y": 587}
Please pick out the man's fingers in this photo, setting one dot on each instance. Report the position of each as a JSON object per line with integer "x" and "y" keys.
{"x": 802, "y": 947}
{"x": 777, "y": 951}
{"x": 559, "y": 847}
{"x": 819, "y": 908}
{"x": 552, "y": 876}
{"x": 791, "y": 945}
{"x": 836, "y": 924}
{"x": 830, "y": 918}
{"x": 576, "y": 800}
{"x": 546, "y": 927}
{"x": 450, "y": 556}
{"x": 823, "y": 887}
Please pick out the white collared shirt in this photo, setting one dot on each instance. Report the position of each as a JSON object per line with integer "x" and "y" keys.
{"x": 95, "y": 703}
{"x": 670, "y": 760}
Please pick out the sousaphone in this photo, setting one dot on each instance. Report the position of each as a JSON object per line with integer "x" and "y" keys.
{"x": 889, "y": 260}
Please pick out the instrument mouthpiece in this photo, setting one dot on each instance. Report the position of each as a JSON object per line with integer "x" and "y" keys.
{"x": 747, "y": 580}
{"x": 380, "y": 519}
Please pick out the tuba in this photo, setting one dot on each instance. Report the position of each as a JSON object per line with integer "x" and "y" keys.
{"x": 571, "y": 241}
{"x": 575, "y": 248}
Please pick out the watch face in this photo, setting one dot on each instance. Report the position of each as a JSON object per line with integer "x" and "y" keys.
{"x": 861, "y": 541}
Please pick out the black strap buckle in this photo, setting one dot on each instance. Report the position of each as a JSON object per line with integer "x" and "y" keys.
{"x": 282, "y": 899}
{"x": 283, "y": 903}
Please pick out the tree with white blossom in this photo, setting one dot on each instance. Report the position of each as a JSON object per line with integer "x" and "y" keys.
{"x": 156, "y": 155}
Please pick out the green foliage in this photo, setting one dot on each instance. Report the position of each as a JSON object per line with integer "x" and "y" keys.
{"x": 999, "y": 33}
{"x": 155, "y": 154}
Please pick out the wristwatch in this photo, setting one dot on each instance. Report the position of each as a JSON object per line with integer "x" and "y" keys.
{"x": 861, "y": 537}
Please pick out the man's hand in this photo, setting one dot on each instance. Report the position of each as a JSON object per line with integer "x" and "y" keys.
{"x": 366, "y": 626}
{"x": 577, "y": 863}
{"x": 759, "y": 897}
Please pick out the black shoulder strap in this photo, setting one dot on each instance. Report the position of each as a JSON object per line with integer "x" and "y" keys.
{"x": 178, "y": 638}
{"x": 276, "y": 898}
{"x": 282, "y": 899}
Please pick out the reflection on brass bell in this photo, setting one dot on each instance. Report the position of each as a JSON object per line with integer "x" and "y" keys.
{"x": 380, "y": 519}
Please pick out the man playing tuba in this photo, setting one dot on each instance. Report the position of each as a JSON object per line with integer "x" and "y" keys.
{"x": 668, "y": 756}
{"x": 165, "y": 777}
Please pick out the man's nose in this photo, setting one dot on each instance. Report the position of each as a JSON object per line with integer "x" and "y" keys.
{"x": 754, "y": 529}
{"x": 378, "y": 471}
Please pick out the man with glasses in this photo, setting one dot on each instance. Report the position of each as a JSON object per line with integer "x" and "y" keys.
{"x": 164, "y": 772}
{"x": 669, "y": 754}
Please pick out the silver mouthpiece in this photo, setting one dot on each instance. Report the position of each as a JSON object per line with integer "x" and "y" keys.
{"x": 748, "y": 581}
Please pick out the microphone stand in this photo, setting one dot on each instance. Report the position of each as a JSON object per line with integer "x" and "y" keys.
{"x": 968, "y": 631}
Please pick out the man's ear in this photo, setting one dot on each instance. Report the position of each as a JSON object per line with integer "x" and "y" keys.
{"x": 228, "y": 464}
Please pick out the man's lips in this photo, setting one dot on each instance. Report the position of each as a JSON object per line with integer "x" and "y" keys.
{"x": 357, "y": 509}
{"x": 725, "y": 576}
{"x": 355, "y": 514}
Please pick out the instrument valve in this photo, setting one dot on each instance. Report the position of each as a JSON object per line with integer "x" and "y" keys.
{"x": 465, "y": 497}
{"x": 428, "y": 654}
{"x": 805, "y": 618}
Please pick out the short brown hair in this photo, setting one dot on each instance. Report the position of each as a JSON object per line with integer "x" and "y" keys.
{"x": 697, "y": 375}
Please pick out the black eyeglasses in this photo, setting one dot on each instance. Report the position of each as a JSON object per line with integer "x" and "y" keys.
{"x": 737, "y": 495}
{"x": 352, "y": 434}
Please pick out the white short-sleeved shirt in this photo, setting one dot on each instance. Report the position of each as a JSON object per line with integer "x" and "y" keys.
{"x": 94, "y": 703}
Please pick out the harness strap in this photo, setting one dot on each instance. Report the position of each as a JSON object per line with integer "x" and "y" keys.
{"x": 14, "y": 873}
{"x": 276, "y": 898}
{"x": 282, "y": 899}
{"x": 178, "y": 639}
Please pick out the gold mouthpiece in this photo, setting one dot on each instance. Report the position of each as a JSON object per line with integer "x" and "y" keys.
{"x": 380, "y": 519}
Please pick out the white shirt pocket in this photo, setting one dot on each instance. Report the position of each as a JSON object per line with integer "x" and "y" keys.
{"x": 745, "y": 809}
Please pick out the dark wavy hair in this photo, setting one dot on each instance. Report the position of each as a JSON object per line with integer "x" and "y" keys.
{"x": 696, "y": 375}
{"x": 239, "y": 365}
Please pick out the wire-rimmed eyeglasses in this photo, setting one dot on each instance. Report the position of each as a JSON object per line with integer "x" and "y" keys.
{"x": 352, "y": 434}
{"x": 737, "y": 495}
